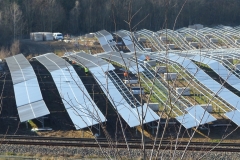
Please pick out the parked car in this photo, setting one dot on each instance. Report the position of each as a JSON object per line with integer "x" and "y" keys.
{"x": 57, "y": 36}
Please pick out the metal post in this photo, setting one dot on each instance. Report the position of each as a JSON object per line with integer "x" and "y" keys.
{"x": 99, "y": 133}
{"x": 152, "y": 128}
{"x": 43, "y": 122}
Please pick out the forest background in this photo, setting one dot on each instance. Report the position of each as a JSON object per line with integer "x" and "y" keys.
{"x": 20, "y": 17}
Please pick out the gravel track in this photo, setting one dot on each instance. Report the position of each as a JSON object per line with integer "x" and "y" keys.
{"x": 96, "y": 152}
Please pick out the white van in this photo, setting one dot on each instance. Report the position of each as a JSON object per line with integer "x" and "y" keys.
{"x": 57, "y": 36}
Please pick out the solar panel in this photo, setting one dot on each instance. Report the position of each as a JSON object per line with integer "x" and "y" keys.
{"x": 101, "y": 39}
{"x": 127, "y": 41}
{"x": 129, "y": 114}
{"x": 142, "y": 57}
{"x": 122, "y": 59}
{"x": 207, "y": 81}
{"x": 222, "y": 71}
{"x": 107, "y": 48}
{"x": 201, "y": 115}
{"x": 103, "y": 42}
{"x": 18, "y": 64}
{"x": 91, "y": 62}
{"x": 196, "y": 116}
{"x": 106, "y": 34}
{"x": 29, "y": 101}
{"x": 27, "y": 92}
{"x": 32, "y": 110}
{"x": 187, "y": 121}
{"x": 234, "y": 116}
{"x": 78, "y": 103}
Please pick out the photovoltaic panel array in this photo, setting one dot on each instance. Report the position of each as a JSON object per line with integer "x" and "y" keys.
{"x": 99, "y": 70}
{"x": 103, "y": 39}
{"x": 127, "y": 41}
{"x": 106, "y": 34}
{"x": 196, "y": 116}
{"x": 79, "y": 105}
{"x": 234, "y": 116}
{"x": 209, "y": 83}
{"x": 90, "y": 61}
{"x": 109, "y": 39}
{"x": 222, "y": 71}
{"x": 29, "y": 101}
{"x": 122, "y": 59}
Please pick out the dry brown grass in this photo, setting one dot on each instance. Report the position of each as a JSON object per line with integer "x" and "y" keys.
{"x": 15, "y": 48}
{"x": 70, "y": 134}
{"x": 4, "y": 52}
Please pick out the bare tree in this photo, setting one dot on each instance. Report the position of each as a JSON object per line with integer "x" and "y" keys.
{"x": 15, "y": 47}
{"x": 16, "y": 19}
{"x": 74, "y": 17}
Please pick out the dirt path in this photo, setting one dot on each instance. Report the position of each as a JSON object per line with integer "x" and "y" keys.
{"x": 29, "y": 47}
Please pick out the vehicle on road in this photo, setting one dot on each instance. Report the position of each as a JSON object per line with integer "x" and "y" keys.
{"x": 57, "y": 36}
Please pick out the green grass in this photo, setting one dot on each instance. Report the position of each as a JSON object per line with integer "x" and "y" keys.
{"x": 161, "y": 95}
{"x": 215, "y": 140}
{"x": 236, "y": 61}
{"x": 196, "y": 97}
{"x": 32, "y": 124}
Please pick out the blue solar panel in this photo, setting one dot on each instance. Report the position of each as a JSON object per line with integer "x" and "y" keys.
{"x": 80, "y": 107}
{"x": 127, "y": 41}
{"x": 187, "y": 121}
{"x": 196, "y": 116}
{"x": 122, "y": 59}
{"x": 207, "y": 81}
{"x": 234, "y": 116}
{"x": 131, "y": 115}
{"x": 201, "y": 115}
{"x": 222, "y": 71}
{"x": 29, "y": 100}
{"x": 103, "y": 40}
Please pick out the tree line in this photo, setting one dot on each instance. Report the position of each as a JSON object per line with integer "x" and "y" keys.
{"x": 20, "y": 17}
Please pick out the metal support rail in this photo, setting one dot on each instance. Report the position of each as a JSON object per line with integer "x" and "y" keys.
{"x": 191, "y": 77}
{"x": 180, "y": 98}
{"x": 230, "y": 32}
{"x": 175, "y": 40}
{"x": 134, "y": 40}
{"x": 174, "y": 101}
{"x": 159, "y": 99}
{"x": 183, "y": 41}
{"x": 211, "y": 44}
{"x": 225, "y": 39}
{"x": 150, "y": 38}
{"x": 211, "y": 32}
{"x": 113, "y": 47}
{"x": 161, "y": 84}
{"x": 156, "y": 39}
{"x": 123, "y": 89}
{"x": 229, "y": 39}
{"x": 223, "y": 36}
{"x": 225, "y": 63}
{"x": 98, "y": 33}
{"x": 201, "y": 86}
{"x": 202, "y": 42}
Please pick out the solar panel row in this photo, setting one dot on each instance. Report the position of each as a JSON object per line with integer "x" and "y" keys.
{"x": 30, "y": 104}
{"x": 99, "y": 68}
{"x": 211, "y": 84}
{"x": 80, "y": 107}
{"x": 123, "y": 60}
